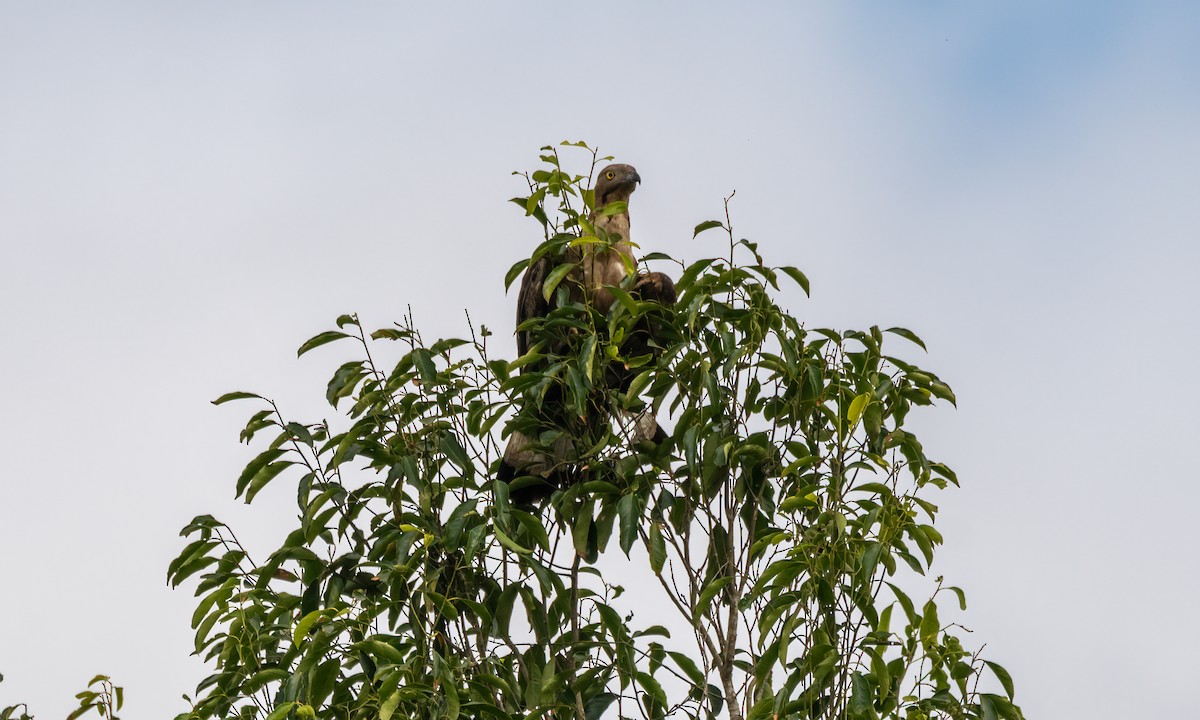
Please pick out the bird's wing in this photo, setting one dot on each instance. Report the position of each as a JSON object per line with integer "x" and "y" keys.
{"x": 530, "y": 303}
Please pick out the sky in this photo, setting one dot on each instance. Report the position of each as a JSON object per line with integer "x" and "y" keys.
{"x": 189, "y": 190}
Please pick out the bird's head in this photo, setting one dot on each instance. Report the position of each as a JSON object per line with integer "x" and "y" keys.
{"x": 615, "y": 183}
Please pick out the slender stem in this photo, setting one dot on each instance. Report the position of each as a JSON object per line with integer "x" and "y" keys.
{"x": 580, "y": 713}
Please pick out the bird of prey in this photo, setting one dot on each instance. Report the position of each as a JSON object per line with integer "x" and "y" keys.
{"x": 597, "y": 267}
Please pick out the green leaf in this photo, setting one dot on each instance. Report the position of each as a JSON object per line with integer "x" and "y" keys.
{"x": 1001, "y": 706}
{"x": 804, "y": 497}
{"x": 235, "y": 396}
{"x": 692, "y": 272}
{"x": 707, "y": 225}
{"x": 909, "y": 609}
{"x": 922, "y": 541}
{"x": 658, "y": 549}
{"x": 627, "y": 512}
{"x": 638, "y": 383}
{"x": 962, "y": 596}
{"x": 1003, "y": 676}
{"x": 300, "y": 432}
{"x": 514, "y": 271}
{"x": 79, "y": 711}
{"x": 191, "y": 567}
{"x": 857, "y": 406}
{"x": 305, "y": 625}
{"x": 381, "y": 650}
{"x": 452, "y": 701}
{"x": 554, "y": 278}
{"x": 281, "y": 711}
{"x": 388, "y": 707}
{"x": 798, "y": 276}
{"x": 689, "y": 668}
{"x": 389, "y": 334}
{"x": 988, "y": 706}
{"x": 885, "y": 619}
{"x": 930, "y": 625}
{"x": 259, "y": 679}
{"x": 425, "y": 367}
{"x": 706, "y": 596}
{"x": 908, "y": 335}
{"x": 256, "y": 466}
{"x": 625, "y": 299}
{"x": 613, "y": 208}
{"x": 594, "y": 708}
{"x": 943, "y": 391}
{"x": 317, "y": 341}
{"x": 455, "y": 452}
{"x": 220, "y": 597}
{"x": 587, "y": 357}
{"x": 716, "y": 700}
{"x": 652, "y": 687}
{"x": 264, "y": 476}
{"x": 533, "y": 202}
{"x": 583, "y": 527}
{"x": 511, "y": 544}
{"x": 761, "y": 710}
{"x": 860, "y": 698}
{"x": 879, "y": 670}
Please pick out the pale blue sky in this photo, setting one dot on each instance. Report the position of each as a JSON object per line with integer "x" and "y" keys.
{"x": 188, "y": 190}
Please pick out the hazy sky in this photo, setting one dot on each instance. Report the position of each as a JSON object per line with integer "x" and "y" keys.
{"x": 188, "y": 190}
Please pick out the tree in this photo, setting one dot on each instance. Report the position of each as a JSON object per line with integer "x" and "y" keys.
{"x": 780, "y": 519}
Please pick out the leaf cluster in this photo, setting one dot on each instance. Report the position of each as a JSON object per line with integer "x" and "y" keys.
{"x": 101, "y": 695}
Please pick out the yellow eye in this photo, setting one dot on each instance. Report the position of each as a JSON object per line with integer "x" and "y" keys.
{"x": 610, "y": 175}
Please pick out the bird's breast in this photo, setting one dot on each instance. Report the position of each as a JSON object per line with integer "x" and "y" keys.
{"x": 605, "y": 265}
{"x": 604, "y": 268}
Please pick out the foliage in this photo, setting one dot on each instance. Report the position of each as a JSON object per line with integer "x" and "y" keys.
{"x": 106, "y": 699}
{"x": 20, "y": 711}
{"x": 101, "y": 695}
{"x": 779, "y": 519}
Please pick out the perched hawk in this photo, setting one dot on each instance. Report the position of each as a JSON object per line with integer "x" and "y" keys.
{"x": 598, "y": 266}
